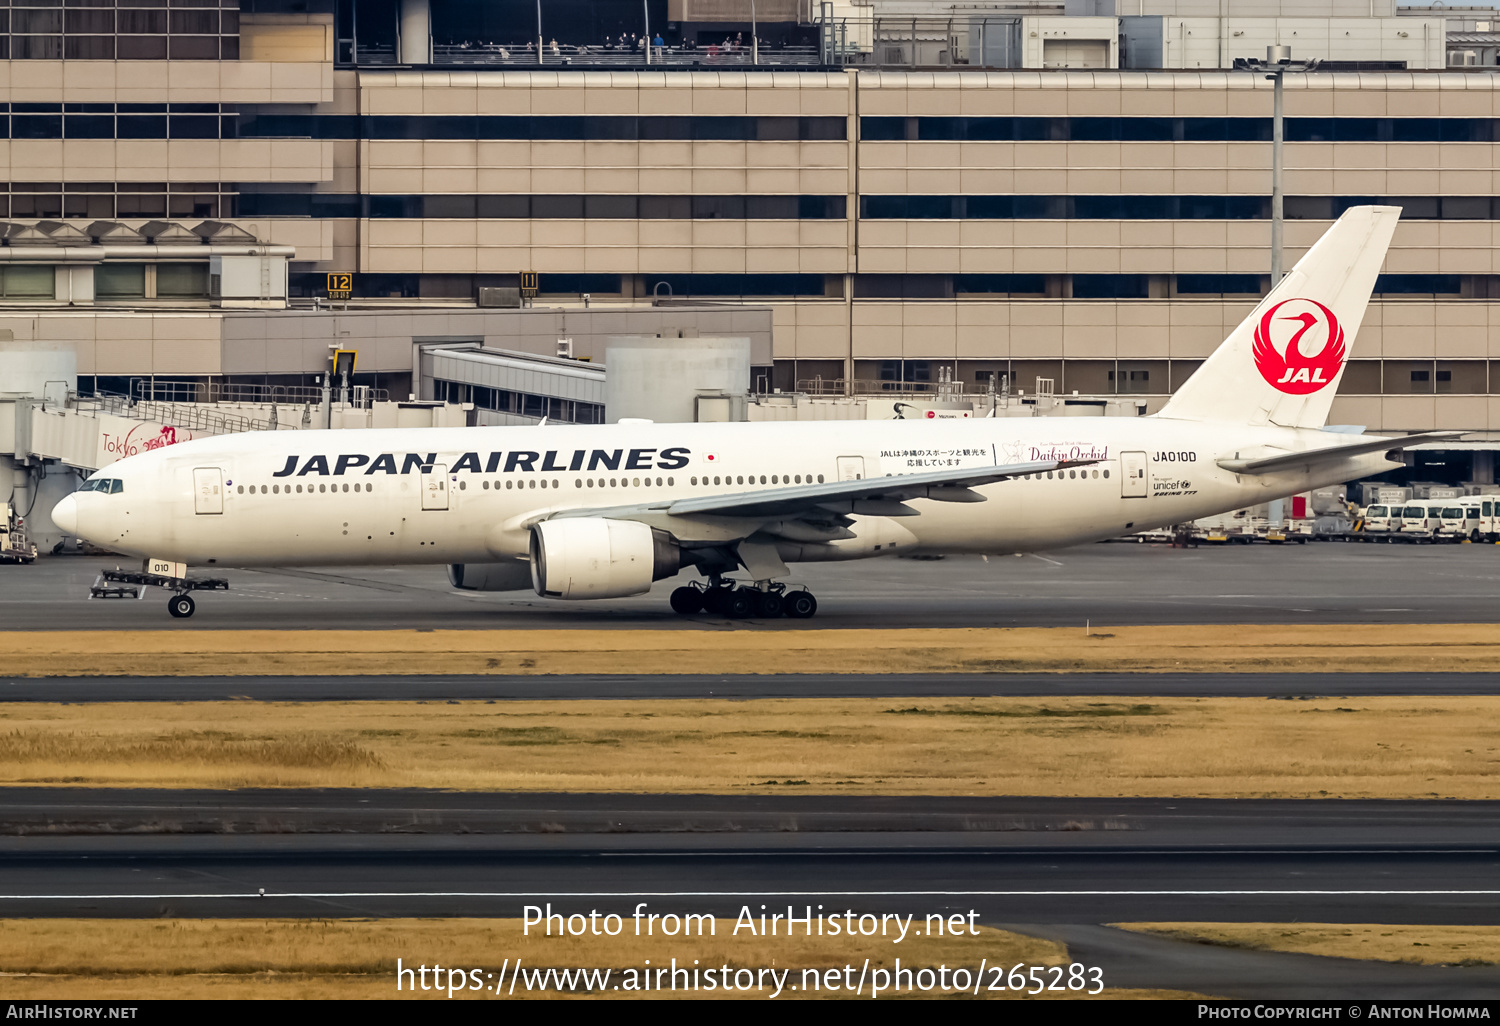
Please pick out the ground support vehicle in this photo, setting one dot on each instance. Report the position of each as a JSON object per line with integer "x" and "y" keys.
{"x": 118, "y": 583}
{"x": 14, "y": 545}
{"x": 1379, "y": 522}
{"x": 1481, "y": 517}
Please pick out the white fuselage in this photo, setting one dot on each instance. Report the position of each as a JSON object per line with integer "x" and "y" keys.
{"x": 364, "y": 497}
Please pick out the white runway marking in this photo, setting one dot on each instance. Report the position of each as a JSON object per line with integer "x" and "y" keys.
{"x": 759, "y": 894}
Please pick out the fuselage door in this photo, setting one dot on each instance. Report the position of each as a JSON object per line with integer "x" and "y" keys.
{"x": 851, "y": 468}
{"x": 435, "y": 487}
{"x": 1133, "y": 482}
{"x": 208, "y": 490}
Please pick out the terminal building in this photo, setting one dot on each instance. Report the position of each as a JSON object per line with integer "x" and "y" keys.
{"x": 902, "y": 196}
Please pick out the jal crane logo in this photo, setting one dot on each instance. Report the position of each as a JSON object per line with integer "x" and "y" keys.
{"x": 1285, "y": 335}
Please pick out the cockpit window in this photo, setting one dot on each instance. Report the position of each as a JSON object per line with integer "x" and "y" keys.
{"x": 108, "y": 485}
{"x": 116, "y": 486}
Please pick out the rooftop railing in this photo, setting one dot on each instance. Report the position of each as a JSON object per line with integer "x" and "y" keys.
{"x": 146, "y": 389}
{"x": 567, "y": 55}
{"x": 191, "y": 417}
{"x": 871, "y": 386}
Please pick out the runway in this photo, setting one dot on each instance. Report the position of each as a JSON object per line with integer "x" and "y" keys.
{"x": 1118, "y": 584}
{"x": 578, "y": 687}
{"x": 1059, "y": 868}
{"x": 1032, "y": 860}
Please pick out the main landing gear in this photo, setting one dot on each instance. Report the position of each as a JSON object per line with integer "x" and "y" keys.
{"x": 739, "y": 602}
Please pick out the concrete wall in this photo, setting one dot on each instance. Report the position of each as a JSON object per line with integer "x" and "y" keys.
{"x": 661, "y": 379}
{"x": 296, "y": 341}
{"x": 1215, "y": 42}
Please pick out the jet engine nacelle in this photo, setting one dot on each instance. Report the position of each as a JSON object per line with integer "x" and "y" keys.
{"x": 593, "y": 558}
{"x": 512, "y": 576}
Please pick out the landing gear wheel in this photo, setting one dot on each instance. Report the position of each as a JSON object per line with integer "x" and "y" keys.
{"x": 739, "y": 603}
{"x": 687, "y": 601}
{"x": 768, "y": 605}
{"x": 181, "y": 606}
{"x": 713, "y": 600}
{"x": 800, "y": 605}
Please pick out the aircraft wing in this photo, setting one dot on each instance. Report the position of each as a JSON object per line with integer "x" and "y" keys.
{"x": 1332, "y": 454}
{"x": 881, "y": 496}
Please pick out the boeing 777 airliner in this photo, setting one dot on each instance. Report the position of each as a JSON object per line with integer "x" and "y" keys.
{"x": 602, "y": 511}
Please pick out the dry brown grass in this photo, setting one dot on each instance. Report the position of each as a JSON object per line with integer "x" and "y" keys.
{"x": 1216, "y": 747}
{"x": 1394, "y": 647}
{"x": 237, "y": 958}
{"x": 1424, "y": 945}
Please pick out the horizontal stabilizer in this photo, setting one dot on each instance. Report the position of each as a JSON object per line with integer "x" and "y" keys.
{"x": 1332, "y": 454}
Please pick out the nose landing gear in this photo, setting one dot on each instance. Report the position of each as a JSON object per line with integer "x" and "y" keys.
{"x": 764, "y": 600}
{"x": 181, "y": 606}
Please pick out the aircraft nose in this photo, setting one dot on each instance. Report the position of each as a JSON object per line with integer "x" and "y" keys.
{"x": 65, "y": 514}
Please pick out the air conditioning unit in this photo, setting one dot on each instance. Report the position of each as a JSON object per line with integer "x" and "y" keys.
{"x": 493, "y": 296}
{"x": 565, "y": 349}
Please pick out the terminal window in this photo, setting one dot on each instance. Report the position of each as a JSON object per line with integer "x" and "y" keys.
{"x": 122, "y": 30}
{"x": 120, "y": 281}
{"x": 21, "y": 281}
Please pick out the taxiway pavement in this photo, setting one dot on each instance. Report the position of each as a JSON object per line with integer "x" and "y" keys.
{"x": 617, "y": 821}
{"x": 488, "y": 688}
{"x": 1104, "y": 584}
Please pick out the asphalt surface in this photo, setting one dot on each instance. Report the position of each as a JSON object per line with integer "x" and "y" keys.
{"x": 1116, "y": 583}
{"x": 573, "y": 820}
{"x": 402, "y": 876}
{"x": 461, "y": 688}
{"x": 1137, "y": 960}
{"x": 1061, "y": 868}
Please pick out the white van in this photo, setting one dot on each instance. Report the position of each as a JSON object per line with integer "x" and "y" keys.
{"x": 1452, "y": 525}
{"x": 1416, "y": 525}
{"x": 1381, "y": 521}
{"x": 1481, "y": 516}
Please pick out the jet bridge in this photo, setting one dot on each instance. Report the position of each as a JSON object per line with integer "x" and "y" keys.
{"x": 512, "y": 388}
